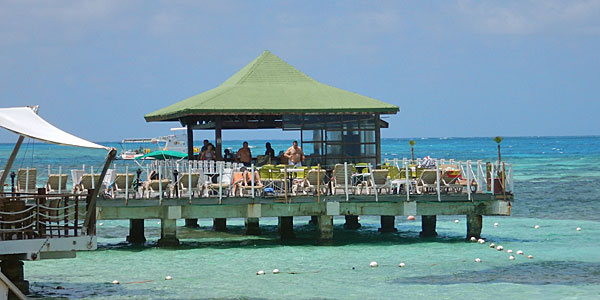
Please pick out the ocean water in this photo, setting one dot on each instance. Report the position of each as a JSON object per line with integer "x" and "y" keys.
{"x": 557, "y": 183}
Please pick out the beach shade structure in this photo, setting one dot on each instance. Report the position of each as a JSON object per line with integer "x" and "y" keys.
{"x": 269, "y": 93}
{"x": 163, "y": 154}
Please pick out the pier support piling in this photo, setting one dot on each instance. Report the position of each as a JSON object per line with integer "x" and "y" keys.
{"x": 351, "y": 222}
{"x": 474, "y": 224}
{"x": 252, "y": 226}
{"x": 325, "y": 224}
{"x": 12, "y": 268}
{"x": 136, "y": 231}
{"x": 168, "y": 233}
{"x": 191, "y": 223}
{"x": 314, "y": 220}
{"x": 428, "y": 224}
{"x": 286, "y": 228}
{"x": 387, "y": 224}
{"x": 220, "y": 224}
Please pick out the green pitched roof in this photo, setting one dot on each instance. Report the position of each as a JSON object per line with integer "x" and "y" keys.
{"x": 269, "y": 85}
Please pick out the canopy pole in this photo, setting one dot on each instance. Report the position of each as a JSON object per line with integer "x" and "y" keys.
{"x": 190, "y": 141}
{"x": 218, "y": 139}
{"x": 92, "y": 206}
{"x": 10, "y": 161}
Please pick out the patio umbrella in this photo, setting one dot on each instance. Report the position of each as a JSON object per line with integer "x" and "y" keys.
{"x": 163, "y": 154}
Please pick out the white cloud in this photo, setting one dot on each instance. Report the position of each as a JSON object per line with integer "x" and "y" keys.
{"x": 532, "y": 17}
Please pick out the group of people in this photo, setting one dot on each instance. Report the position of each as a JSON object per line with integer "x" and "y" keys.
{"x": 294, "y": 154}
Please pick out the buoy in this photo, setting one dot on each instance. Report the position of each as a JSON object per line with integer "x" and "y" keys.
{"x": 410, "y": 218}
{"x": 401, "y": 265}
{"x": 578, "y": 228}
{"x": 481, "y": 241}
{"x": 456, "y": 221}
{"x": 353, "y": 268}
{"x": 496, "y": 224}
{"x": 100, "y": 224}
{"x": 520, "y": 252}
{"x": 511, "y": 257}
{"x": 357, "y": 218}
{"x": 115, "y": 282}
{"x": 158, "y": 222}
{"x": 536, "y": 226}
{"x": 492, "y": 245}
{"x": 373, "y": 264}
{"x": 530, "y": 256}
{"x": 275, "y": 271}
{"x": 260, "y": 272}
{"x": 478, "y": 260}
{"x": 168, "y": 278}
{"x": 499, "y": 248}
{"x": 473, "y": 239}
{"x": 509, "y": 251}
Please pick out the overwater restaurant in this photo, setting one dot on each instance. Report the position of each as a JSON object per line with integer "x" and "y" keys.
{"x": 335, "y": 125}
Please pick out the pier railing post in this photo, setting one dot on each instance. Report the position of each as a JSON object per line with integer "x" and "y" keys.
{"x": 493, "y": 179}
{"x": 126, "y": 183}
{"x": 252, "y": 181}
{"x": 373, "y": 182}
{"x": 93, "y": 181}
{"x": 60, "y": 179}
{"x": 160, "y": 198}
{"x": 220, "y": 183}
{"x": 479, "y": 177}
{"x": 346, "y": 180}
{"x": 437, "y": 179}
{"x": 469, "y": 179}
{"x": 190, "y": 182}
{"x": 405, "y": 163}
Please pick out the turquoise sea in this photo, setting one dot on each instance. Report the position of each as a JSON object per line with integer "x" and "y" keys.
{"x": 557, "y": 186}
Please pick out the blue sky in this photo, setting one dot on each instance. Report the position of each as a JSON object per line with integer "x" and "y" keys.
{"x": 455, "y": 68}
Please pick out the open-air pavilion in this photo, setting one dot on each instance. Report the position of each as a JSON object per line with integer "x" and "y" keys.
{"x": 335, "y": 125}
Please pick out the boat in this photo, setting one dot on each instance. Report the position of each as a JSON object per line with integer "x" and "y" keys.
{"x": 172, "y": 142}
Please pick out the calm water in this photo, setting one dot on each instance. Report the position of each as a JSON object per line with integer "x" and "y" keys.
{"x": 557, "y": 182}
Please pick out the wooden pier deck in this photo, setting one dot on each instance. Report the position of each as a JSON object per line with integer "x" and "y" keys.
{"x": 321, "y": 209}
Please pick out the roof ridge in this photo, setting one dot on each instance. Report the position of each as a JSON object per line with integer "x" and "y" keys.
{"x": 257, "y": 62}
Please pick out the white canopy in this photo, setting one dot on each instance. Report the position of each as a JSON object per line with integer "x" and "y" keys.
{"x": 24, "y": 121}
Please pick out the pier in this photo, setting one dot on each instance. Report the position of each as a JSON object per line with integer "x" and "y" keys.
{"x": 408, "y": 193}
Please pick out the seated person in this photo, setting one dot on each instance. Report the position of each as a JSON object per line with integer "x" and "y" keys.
{"x": 153, "y": 175}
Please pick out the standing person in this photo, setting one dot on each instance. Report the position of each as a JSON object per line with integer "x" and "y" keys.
{"x": 228, "y": 156}
{"x": 295, "y": 155}
{"x": 244, "y": 155}
{"x": 270, "y": 152}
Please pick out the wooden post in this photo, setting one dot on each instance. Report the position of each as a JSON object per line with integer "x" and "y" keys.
{"x": 10, "y": 161}
{"x": 190, "y": 141}
{"x": 92, "y": 204}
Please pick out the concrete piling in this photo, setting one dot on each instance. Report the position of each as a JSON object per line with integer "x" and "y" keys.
{"x": 136, "y": 231}
{"x": 191, "y": 223}
{"x": 220, "y": 224}
{"x": 428, "y": 224}
{"x": 474, "y": 224}
{"x": 387, "y": 224}
{"x": 325, "y": 225}
{"x": 252, "y": 226}
{"x": 168, "y": 233}
{"x": 351, "y": 222}
{"x": 286, "y": 228}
